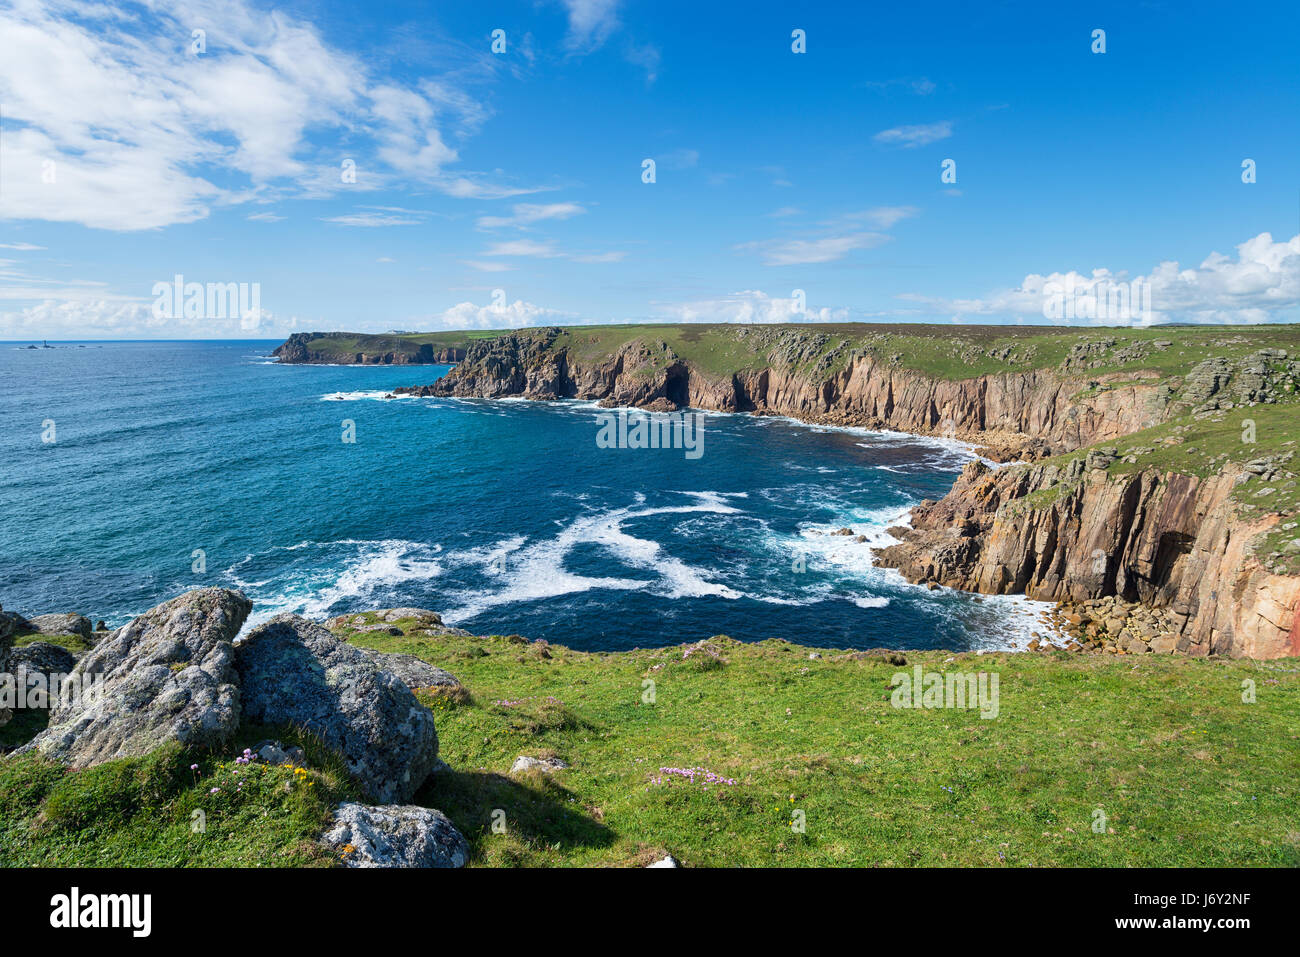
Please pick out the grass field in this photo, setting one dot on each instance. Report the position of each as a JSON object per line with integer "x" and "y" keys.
{"x": 1184, "y": 771}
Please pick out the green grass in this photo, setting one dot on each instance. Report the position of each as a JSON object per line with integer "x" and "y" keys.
{"x": 74, "y": 643}
{"x": 155, "y": 811}
{"x": 1185, "y": 771}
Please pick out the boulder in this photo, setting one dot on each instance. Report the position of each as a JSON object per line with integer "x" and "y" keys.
{"x": 412, "y": 671}
{"x": 165, "y": 676}
{"x": 294, "y": 671}
{"x": 62, "y": 625}
{"x": 545, "y": 765}
{"x": 423, "y": 616}
{"x": 394, "y": 835}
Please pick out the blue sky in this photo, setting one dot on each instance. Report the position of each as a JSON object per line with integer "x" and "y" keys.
{"x": 506, "y": 189}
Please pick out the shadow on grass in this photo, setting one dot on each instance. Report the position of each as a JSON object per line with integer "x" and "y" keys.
{"x": 536, "y": 810}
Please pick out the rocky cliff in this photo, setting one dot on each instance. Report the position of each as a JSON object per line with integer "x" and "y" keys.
{"x": 1029, "y": 412}
{"x": 1162, "y": 536}
{"x": 1166, "y": 540}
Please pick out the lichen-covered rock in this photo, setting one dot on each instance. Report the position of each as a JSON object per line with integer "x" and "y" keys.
{"x": 165, "y": 676}
{"x": 294, "y": 671}
{"x": 395, "y": 836}
{"x": 412, "y": 671}
{"x": 62, "y": 625}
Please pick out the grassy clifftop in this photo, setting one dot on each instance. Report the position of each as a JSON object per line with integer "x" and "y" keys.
{"x": 943, "y": 351}
{"x": 1184, "y": 770}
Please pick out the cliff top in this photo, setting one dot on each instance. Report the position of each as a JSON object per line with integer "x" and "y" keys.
{"x": 943, "y": 351}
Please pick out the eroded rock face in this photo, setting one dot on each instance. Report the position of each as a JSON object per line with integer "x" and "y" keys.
{"x": 1170, "y": 541}
{"x": 291, "y": 670}
{"x": 165, "y": 676}
{"x": 395, "y": 836}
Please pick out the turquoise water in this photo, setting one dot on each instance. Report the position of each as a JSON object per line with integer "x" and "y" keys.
{"x": 503, "y": 515}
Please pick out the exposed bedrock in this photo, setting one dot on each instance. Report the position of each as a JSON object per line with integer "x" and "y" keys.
{"x": 1167, "y": 540}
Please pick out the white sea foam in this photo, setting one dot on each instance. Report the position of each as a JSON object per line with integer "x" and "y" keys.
{"x": 530, "y": 571}
{"x": 379, "y": 395}
{"x": 365, "y": 569}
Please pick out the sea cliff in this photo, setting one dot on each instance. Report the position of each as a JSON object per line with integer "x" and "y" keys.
{"x": 1152, "y": 467}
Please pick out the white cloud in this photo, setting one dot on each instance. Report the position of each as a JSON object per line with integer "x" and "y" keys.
{"x": 110, "y": 318}
{"x": 524, "y": 214}
{"x": 882, "y": 217}
{"x": 748, "y": 306}
{"x": 910, "y": 136}
{"x": 487, "y": 267}
{"x": 21, "y": 247}
{"x": 522, "y": 247}
{"x": 468, "y": 315}
{"x": 590, "y": 22}
{"x": 264, "y": 218}
{"x": 112, "y": 122}
{"x": 798, "y": 252}
{"x": 1261, "y": 284}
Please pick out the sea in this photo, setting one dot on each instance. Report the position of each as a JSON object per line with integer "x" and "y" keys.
{"x": 131, "y": 472}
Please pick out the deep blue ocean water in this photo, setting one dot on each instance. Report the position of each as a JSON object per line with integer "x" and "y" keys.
{"x": 503, "y": 515}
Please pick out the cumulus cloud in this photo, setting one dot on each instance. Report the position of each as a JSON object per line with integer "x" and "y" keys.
{"x": 515, "y": 315}
{"x": 750, "y": 306}
{"x": 911, "y": 136}
{"x": 113, "y": 121}
{"x": 1261, "y": 284}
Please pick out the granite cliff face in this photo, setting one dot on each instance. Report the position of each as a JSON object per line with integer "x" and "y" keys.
{"x": 1169, "y": 541}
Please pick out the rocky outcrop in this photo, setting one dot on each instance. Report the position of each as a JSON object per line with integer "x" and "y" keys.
{"x": 640, "y": 373}
{"x": 66, "y": 624}
{"x": 1075, "y": 532}
{"x": 308, "y": 348}
{"x": 294, "y": 671}
{"x": 165, "y": 676}
{"x": 63, "y": 624}
{"x": 394, "y": 836}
